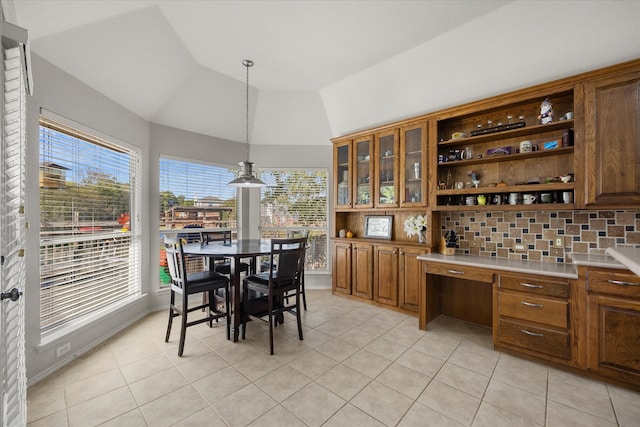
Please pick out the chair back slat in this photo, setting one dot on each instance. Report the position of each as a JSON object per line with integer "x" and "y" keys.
{"x": 176, "y": 262}
{"x": 287, "y": 261}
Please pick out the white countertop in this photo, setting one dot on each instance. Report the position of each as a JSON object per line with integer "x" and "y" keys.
{"x": 628, "y": 256}
{"x": 565, "y": 270}
{"x": 595, "y": 260}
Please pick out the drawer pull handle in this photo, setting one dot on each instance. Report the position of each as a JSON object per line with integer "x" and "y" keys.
{"x": 620, "y": 282}
{"x": 529, "y": 285}
{"x": 533, "y": 334}
{"x": 455, "y": 271}
{"x": 530, "y": 304}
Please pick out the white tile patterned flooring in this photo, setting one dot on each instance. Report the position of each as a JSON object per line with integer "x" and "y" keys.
{"x": 359, "y": 365}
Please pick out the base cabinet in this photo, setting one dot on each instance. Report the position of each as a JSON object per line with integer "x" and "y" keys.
{"x": 409, "y": 278}
{"x": 614, "y": 324}
{"x": 341, "y": 277}
{"x": 352, "y": 269}
{"x": 385, "y": 283}
{"x": 533, "y": 316}
{"x": 386, "y": 273}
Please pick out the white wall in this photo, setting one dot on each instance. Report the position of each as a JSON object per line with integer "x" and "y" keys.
{"x": 519, "y": 45}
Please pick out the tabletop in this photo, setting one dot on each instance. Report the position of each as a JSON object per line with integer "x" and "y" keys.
{"x": 243, "y": 247}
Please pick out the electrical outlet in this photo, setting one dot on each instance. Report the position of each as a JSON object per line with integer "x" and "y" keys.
{"x": 63, "y": 349}
{"x": 557, "y": 252}
{"x": 475, "y": 243}
{"x": 559, "y": 242}
{"x": 519, "y": 247}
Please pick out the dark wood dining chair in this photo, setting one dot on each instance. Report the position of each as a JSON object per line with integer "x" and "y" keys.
{"x": 185, "y": 284}
{"x": 263, "y": 294}
{"x": 300, "y": 233}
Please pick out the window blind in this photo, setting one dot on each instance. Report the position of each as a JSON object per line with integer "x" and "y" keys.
{"x": 194, "y": 194}
{"x": 90, "y": 195}
{"x": 295, "y": 200}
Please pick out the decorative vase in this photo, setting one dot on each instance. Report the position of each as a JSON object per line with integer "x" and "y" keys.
{"x": 422, "y": 238}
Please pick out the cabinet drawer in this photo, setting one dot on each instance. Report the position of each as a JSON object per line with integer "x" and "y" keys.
{"x": 614, "y": 282}
{"x": 534, "y": 309}
{"x": 460, "y": 272}
{"x": 536, "y": 285}
{"x": 534, "y": 338}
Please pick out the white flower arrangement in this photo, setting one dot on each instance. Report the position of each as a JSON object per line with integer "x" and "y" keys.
{"x": 415, "y": 224}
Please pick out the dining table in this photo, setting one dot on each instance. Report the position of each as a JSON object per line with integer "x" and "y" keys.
{"x": 235, "y": 251}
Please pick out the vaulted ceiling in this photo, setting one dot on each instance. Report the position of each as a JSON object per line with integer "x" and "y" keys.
{"x": 179, "y": 62}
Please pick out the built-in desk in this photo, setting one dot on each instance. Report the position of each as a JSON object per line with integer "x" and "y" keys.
{"x": 460, "y": 286}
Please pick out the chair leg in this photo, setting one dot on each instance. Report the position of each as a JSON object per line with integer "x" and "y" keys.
{"x": 212, "y": 306}
{"x": 271, "y": 315}
{"x": 304, "y": 296}
{"x": 183, "y": 328}
{"x": 298, "y": 317}
{"x": 227, "y": 308}
{"x": 171, "y": 315}
{"x": 243, "y": 320}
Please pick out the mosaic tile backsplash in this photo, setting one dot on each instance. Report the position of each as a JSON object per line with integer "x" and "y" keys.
{"x": 497, "y": 233}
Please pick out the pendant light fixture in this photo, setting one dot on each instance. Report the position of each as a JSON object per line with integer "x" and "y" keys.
{"x": 247, "y": 177}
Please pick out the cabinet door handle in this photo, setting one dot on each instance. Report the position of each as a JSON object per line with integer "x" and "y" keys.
{"x": 620, "y": 282}
{"x": 529, "y": 285}
{"x": 530, "y": 304}
{"x": 533, "y": 334}
{"x": 455, "y": 271}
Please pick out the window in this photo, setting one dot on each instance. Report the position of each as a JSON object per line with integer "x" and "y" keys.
{"x": 296, "y": 200}
{"x": 194, "y": 195}
{"x": 90, "y": 194}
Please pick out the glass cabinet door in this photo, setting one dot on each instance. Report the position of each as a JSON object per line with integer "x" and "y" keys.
{"x": 363, "y": 148}
{"x": 342, "y": 177}
{"x": 387, "y": 173}
{"x": 413, "y": 165}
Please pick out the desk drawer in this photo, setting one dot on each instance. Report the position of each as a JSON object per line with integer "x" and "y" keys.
{"x": 460, "y": 272}
{"x": 614, "y": 282}
{"x": 535, "y": 285}
{"x": 534, "y": 309}
{"x": 534, "y": 338}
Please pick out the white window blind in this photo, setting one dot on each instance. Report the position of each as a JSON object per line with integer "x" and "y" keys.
{"x": 194, "y": 194}
{"x": 295, "y": 200}
{"x": 90, "y": 194}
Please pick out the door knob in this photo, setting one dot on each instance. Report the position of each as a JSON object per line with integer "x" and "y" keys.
{"x": 14, "y": 294}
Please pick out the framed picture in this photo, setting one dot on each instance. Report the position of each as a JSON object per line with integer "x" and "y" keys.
{"x": 378, "y": 227}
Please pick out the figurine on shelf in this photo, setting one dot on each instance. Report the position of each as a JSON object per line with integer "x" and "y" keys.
{"x": 474, "y": 177}
{"x": 546, "y": 112}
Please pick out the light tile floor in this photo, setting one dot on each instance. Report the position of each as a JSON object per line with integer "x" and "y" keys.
{"x": 359, "y": 365}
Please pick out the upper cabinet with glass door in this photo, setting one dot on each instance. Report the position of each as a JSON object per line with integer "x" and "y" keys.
{"x": 413, "y": 156}
{"x": 363, "y": 176}
{"x": 342, "y": 155}
{"x": 387, "y": 168}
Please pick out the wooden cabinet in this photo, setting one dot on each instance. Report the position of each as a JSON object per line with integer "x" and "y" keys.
{"x": 409, "y": 278}
{"x": 532, "y": 316}
{"x": 362, "y": 270}
{"x": 386, "y": 177}
{"x": 385, "y": 278}
{"x": 614, "y": 323}
{"x": 341, "y": 277}
{"x": 413, "y": 164}
{"x": 342, "y": 171}
{"x": 353, "y": 268}
{"x": 500, "y": 144}
{"x": 612, "y": 140}
{"x": 363, "y": 178}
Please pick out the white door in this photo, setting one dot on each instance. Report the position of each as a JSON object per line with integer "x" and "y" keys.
{"x": 13, "y": 409}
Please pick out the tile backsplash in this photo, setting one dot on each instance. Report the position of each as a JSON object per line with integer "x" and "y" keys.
{"x": 532, "y": 235}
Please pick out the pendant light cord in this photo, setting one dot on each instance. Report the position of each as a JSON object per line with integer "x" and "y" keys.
{"x": 247, "y": 63}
